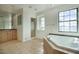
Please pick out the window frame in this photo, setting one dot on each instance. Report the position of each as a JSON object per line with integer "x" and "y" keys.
{"x": 68, "y": 21}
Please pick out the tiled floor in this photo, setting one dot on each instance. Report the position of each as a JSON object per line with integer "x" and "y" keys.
{"x": 34, "y": 46}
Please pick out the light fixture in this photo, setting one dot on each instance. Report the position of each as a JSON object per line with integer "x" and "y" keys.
{"x": 30, "y": 6}
{"x": 35, "y": 9}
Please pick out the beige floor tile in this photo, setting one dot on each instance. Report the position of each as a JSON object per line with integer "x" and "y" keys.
{"x": 34, "y": 46}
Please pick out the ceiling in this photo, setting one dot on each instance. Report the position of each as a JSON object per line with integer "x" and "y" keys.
{"x": 12, "y": 8}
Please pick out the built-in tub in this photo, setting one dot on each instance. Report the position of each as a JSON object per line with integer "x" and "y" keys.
{"x": 64, "y": 42}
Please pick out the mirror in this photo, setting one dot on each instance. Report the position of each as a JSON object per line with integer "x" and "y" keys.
{"x": 5, "y": 22}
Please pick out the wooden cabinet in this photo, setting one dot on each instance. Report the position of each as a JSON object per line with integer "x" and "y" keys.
{"x": 14, "y": 35}
{"x": 4, "y": 36}
{"x": 7, "y": 34}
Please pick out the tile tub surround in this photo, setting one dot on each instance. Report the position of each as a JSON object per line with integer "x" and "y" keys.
{"x": 34, "y": 46}
{"x": 48, "y": 49}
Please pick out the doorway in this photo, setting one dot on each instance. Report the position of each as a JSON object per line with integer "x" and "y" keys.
{"x": 33, "y": 27}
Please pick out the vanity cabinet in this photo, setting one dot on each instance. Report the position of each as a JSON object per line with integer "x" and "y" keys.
{"x": 7, "y": 35}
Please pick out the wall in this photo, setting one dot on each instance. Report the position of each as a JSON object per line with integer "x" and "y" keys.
{"x": 27, "y": 15}
{"x": 51, "y": 19}
{"x": 16, "y": 26}
{"x": 24, "y": 30}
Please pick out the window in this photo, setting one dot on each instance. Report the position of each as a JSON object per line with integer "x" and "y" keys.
{"x": 41, "y": 23}
{"x": 68, "y": 21}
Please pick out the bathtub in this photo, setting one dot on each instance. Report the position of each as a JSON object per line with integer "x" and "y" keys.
{"x": 66, "y": 42}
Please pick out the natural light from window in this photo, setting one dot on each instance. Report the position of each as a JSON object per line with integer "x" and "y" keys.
{"x": 41, "y": 23}
{"x": 68, "y": 21}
